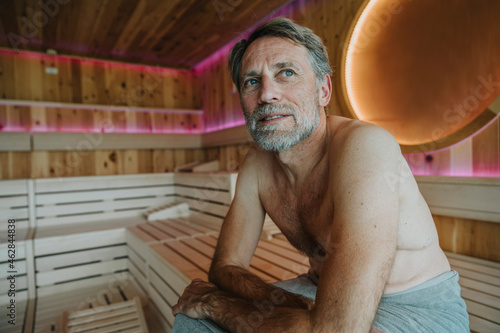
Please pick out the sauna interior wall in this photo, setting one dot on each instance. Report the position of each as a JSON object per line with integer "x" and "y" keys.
{"x": 210, "y": 88}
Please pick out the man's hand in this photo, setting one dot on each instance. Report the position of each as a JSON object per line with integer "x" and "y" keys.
{"x": 194, "y": 300}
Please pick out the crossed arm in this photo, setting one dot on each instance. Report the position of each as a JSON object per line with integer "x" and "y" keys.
{"x": 363, "y": 236}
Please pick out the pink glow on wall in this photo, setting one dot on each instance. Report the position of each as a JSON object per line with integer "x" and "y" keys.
{"x": 89, "y": 61}
{"x": 79, "y": 129}
{"x": 227, "y": 125}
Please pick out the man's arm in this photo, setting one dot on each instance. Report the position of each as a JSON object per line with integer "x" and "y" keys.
{"x": 363, "y": 239}
{"x": 238, "y": 239}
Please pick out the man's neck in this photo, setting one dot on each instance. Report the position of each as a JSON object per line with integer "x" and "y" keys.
{"x": 300, "y": 160}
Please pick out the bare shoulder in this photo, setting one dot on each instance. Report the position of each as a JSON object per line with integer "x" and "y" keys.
{"x": 361, "y": 147}
{"x": 255, "y": 168}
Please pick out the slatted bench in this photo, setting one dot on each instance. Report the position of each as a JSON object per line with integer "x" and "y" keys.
{"x": 126, "y": 316}
{"x": 172, "y": 265}
{"x": 81, "y": 222}
{"x": 115, "y": 290}
{"x": 80, "y": 229}
{"x": 480, "y": 284}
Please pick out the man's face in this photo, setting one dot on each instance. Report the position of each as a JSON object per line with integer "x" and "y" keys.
{"x": 279, "y": 95}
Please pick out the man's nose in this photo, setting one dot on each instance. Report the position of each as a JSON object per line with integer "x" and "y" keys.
{"x": 269, "y": 92}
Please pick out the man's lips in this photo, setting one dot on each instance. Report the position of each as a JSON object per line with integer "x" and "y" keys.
{"x": 271, "y": 117}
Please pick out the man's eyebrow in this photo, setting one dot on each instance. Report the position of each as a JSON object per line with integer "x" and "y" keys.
{"x": 285, "y": 64}
{"x": 249, "y": 73}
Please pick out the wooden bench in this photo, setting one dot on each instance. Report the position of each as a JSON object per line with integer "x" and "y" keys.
{"x": 172, "y": 265}
{"x": 80, "y": 225}
{"x": 480, "y": 284}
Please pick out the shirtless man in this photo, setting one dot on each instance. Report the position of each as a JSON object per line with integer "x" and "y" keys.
{"x": 337, "y": 189}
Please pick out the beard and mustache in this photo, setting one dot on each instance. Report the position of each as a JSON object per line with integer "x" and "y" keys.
{"x": 270, "y": 137}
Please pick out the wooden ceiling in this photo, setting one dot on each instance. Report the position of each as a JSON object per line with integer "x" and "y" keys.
{"x": 167, "y": 33}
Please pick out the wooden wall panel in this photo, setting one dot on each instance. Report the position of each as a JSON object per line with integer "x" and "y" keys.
{"x": 469, "y": 237}
{"x": 23, "y": 77}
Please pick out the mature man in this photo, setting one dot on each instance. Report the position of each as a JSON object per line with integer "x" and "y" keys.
{"x": 338, "y": 190}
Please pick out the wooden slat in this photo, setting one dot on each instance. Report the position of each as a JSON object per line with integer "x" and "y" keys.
{"x": 481, "y": 297}
{"x": 183, "y": 227}
{"x": 483, "y": 311}
{"x": 59, "y": 141}
{"x": 13, "y": 188}
{"x": 51, "y": 245}
{"x": 92, "y": 220}
{"x": 15, "y": 141}
{"x": 102, "y": 182}
{"x": 187, "y": 268}
{"x": 481, "y": 325}
{"x": 475, "y": 198}
{"x": 156, "y": 260}
{"x": 203, "y": 194}
{"x": 74, "y": 258}
{"x": 69, "y": 196}
{"x": 78, "y": 272}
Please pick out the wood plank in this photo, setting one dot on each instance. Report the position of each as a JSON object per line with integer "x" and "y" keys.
{"x": 15, "y": 141}
{"x": 14, "y": 187}
{"x": 281, "y": 261}
{"x": 200, "y": 193}
{"x": 103, "y": 182}
{"x": 74, "y": 258}
{"x": 185, "y": 228}
{"x": 60, "y": 141}
{"x": 195, "y": 257}
{"x": 78, "y": 272}
{"x": 108, "y": 207}
{"x": 481, "y": 325}
{"x": 481, "y": 298}
{"x": 69, "y": 196}
{"x": 176, "y": 280}
{"x": 285, "y": 252}
{"x": 87, "y": 240}
{"x": 187, "y": 268}
{"x": 483, "y": 311}
{"x": 157, "y": 233}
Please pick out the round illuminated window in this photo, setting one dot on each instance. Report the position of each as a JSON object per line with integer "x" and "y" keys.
{"x": 428, "y": 71}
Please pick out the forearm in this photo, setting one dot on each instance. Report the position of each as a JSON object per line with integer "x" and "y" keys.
{"x": 237, "y": 315}
{"x": 242, "y": 284}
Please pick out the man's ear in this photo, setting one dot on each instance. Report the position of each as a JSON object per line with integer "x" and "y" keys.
{"x": 325, "y": 92}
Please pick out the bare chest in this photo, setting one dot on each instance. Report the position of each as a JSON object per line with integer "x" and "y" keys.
{"x": 303, "y": 215}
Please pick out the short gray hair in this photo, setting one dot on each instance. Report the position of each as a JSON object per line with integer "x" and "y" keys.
{"x": 285, "y": 28}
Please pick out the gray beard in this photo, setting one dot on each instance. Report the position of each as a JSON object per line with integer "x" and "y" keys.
{"x": 271, "y": 138}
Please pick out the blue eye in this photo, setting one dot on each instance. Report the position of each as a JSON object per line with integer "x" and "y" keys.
{"x": 288, "y": 73}
{"x": 251, "y": 82}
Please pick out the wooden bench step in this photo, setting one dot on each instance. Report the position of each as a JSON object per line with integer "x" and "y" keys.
{"x": 125, "y": 316}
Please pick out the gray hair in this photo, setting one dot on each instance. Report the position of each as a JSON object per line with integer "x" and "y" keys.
{"x": 285, "y": 28}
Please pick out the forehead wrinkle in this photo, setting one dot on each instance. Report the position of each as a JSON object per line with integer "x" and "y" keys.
{"x": 269, "y": 43}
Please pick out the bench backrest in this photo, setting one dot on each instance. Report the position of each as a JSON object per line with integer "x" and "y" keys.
{"x": 467, "y": 197}
{"x": 91, "y": 199}
{"x": 208, "y": 195}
